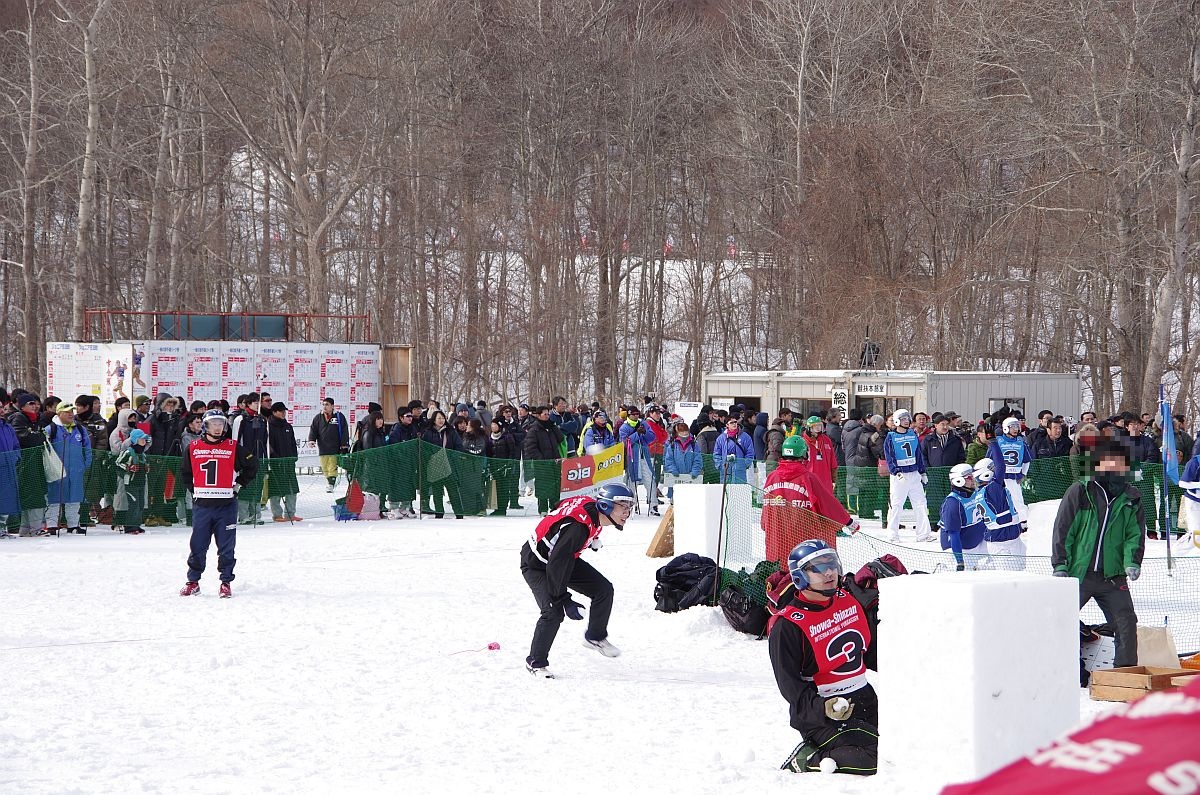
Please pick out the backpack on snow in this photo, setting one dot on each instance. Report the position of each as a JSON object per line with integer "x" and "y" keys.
{"x": 686, "y": 581}
{"x": 743, "y": 601}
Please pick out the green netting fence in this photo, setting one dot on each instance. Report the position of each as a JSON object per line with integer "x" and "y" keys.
{"x": 1163, "y": 595}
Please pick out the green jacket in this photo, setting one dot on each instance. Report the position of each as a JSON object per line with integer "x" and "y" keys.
{"x": 976, "y": 451}
{"x": 1090, "y": 528}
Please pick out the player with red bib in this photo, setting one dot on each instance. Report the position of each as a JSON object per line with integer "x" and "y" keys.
{"x": 821, "y": 645}
{"x": 551, "y": 565}
{"x": 214, "y": 469}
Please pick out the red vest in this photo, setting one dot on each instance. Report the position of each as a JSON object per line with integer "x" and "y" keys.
{"x": 839, "y": 637}
{"x": 545, "y": 535}
{"x": 213, "y": 469}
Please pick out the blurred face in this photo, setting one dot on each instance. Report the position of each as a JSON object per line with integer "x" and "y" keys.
{"x": 328, "y": 409}
{"x": 731, "y": 427}
{"x": 821, "y": 576}
{"x": 1135, "y": 427}
{"x": 406, "y": 418}
{"x": 544, "y": 414}
{"x": 378, "y": 420}
{"x": 943, "y": 427}
{"x": 495, "y": 427}
{"x": 1088, "y": 416}
{"x": 920, "y": 421}
{"x": 1112, "y": 463}
{"x": 439, "y": 421}
{"x": 560, "y": 406}
{"x": 1055, "y": 430}
{"x": 621, "y": 511}
{"x": 816, "y": 428}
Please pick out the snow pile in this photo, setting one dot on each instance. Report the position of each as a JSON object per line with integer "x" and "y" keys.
{"x": 353, "y": 658}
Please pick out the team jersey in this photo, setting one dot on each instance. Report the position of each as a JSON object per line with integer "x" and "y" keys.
{"x": 213, "y": 468}
{"x": 545, "y": 535}
{"x": 904, "y": 447}
{"x": 967, "y": 517}
{"x": 1014, "y": 453}
{"x": 839, "y": 637}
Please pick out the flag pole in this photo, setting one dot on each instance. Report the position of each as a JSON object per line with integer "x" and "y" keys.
{"x": 1168, "y": 449}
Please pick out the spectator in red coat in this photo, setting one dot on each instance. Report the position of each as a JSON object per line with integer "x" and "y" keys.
{"x": 792, "y": 495}
{"x": 822, "y": 459}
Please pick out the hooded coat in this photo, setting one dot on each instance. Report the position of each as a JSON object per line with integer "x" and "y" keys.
{"x": 74, "y": 447}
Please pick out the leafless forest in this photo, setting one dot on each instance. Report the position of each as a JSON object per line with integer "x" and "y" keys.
{"x": 985, "y": 184}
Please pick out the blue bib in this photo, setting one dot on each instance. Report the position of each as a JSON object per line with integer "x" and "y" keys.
{"x": 904, "y": 447}
{"x": 1013, "y": 452}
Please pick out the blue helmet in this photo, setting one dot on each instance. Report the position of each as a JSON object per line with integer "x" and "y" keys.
{"x": 609, "y": 495}
{"x": 808, "y": 553}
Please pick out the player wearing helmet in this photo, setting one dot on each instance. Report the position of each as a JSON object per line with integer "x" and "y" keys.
{"x": 1011, "y": 456}
{"x": 906, "y": 465}
{"x": 1003, "y": 532}
{"x": 791, "y": 497}
{"x": 964, "y": 516}
{"x": 821, "y": 645}
{"x": 214, "y": 469}
{"x": 551, "y": 566}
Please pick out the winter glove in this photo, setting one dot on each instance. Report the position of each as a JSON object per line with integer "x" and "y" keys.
{"x": 573, "y": 609}
{"x": 924, "y": 479}
{"x": 838, "y": 708}
{"x": 596, "y": 544}
{"x": 853, "y": 527}
{"x": 1024, "y": 526}
{"x": 1061, "y": 573}
{"x": 1133, "y": 572}
{"x": 960, "y": 567}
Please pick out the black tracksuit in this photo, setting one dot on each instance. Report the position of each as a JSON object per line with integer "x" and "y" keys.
{"x": 550, "y": 582}
{"x": 853, "y": 743}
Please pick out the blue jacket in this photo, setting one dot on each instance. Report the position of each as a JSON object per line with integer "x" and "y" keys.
{"x": 963, "y": 522}
{"x": 637, "y": 439}
{"x": 741, "y": 447}
{"x": 74, "y": 448}
{"x": 10, "y": 454}
{"x": 1189, "y": 481}
{"x": 683, "y": 457}
{"x": 1003, "y": 524}
{"x": 1011, "y": 456}
{"x": 596, "y": 434}
{"x": 909, "y": 449}
{"x": 760, "y": 436}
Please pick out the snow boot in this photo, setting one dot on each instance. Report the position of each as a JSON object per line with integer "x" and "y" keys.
{"x": 602, "y": 646}
{"x": 802, "y": 759}
{"x": 541, "y": 671}
{"x": 190, "y": 588}
{"x": 225, "y": 591}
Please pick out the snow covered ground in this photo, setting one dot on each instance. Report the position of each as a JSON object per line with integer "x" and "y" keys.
{"x": 353, "y": 658}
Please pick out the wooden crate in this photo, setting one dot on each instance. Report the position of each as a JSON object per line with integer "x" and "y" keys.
{"x": 1126, "y": 684}
{"x": 663, "y": 543}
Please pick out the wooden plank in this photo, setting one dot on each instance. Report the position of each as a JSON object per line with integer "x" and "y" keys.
{"x": 1139, "y": 676}
{"x": 1110, "y": 693}
{"x": 663, "y": 543}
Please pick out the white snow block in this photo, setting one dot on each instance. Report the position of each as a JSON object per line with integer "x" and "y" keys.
{"x": 697, "y": 518}
{"x": 976, "y": 669}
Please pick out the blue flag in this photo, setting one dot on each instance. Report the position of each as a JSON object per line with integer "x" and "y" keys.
{"x": 1169, "y": 456}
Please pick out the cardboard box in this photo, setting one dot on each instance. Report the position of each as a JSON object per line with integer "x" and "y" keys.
{"x": 1126, "y": 684}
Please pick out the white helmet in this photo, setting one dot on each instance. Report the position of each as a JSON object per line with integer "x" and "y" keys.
{"x": 901, "y": 417}
{"x": 962, "y": 476}
{"x": 1009, "y": 424}
{"x": 985, "y": 470}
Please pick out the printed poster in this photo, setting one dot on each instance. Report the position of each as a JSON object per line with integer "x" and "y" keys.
{"x": 237, "y": 370}
{"x": 203, "y": 371}
{"x": 304, "y": 382}
{"x": 163, "y": 369}
{"x": 585, "y": 474}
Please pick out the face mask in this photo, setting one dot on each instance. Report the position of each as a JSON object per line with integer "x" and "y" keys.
{"x": 1114, "y": 481}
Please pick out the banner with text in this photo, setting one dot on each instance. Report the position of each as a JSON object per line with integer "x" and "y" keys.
{"x": 585, "y": 474}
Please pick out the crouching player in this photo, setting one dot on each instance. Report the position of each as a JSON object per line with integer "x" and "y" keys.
{"x": 964, "y": 516}
{"x": 1004, "y": 528}
{"x": 821, "y": 645}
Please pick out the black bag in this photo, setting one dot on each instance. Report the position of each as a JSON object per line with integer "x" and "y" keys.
{"x": 742, "y": 612}
{"x": 686, "y": 581}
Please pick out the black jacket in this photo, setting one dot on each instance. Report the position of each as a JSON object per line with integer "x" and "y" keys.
{"x": 794, "y": 664}
{"x": 542, "y": 441}
{"x": 947, "y": 453}
{"x": 29, "y": 432}
{"x": 251, "y": 433}
{"x": 331, "y": 435}
{"x": 403, "y": 433}
{"x": 165, "y": 429}
{"x": 372, "y": 437}
{"x": 281, "y": 439}
{"x": 505, "y": 446}
{"x": 1045, "y": 447}
{"x": 447, "y": 438}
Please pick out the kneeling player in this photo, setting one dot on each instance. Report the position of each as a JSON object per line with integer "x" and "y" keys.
{"x": 1004, "y": 528}
{"x": 550, "y": 565}
{"x": 214, "y": 468}
{"x": 964, "y": 516}
{"x": 821, "y": 646}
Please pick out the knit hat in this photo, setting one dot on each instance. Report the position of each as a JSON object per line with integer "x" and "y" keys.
{"x": 374, "y": 407}
{"x": 26, "y": 399}
{"x": 461, "y": 407}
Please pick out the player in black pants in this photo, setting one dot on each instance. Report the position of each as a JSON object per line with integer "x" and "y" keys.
{"x": 214, "y": 469}
{"x": 550, "y": 565}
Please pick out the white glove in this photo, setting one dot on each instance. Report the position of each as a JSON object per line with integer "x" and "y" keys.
{"x": 853, "y": 527}
{"x": 924, "y": 479}
{"x": 596, "y": 544}
{"x": 838, "y": 708}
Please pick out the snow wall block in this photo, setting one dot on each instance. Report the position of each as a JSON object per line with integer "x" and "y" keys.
{"x": 976, "y": 669}
{"x": 698, "y": 516}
